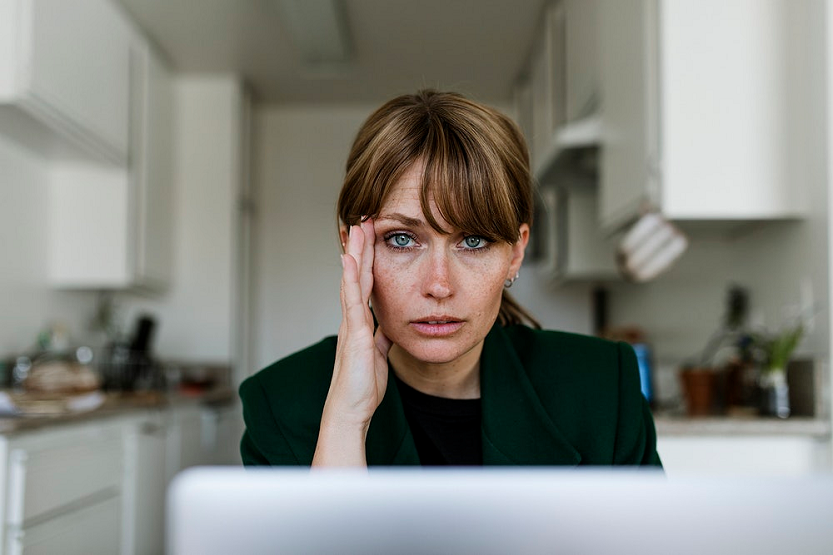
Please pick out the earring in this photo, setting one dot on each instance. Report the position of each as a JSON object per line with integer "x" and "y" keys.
{"x": 508, "y": 283}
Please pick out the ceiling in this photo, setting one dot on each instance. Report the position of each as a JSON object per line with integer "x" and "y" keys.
{"x": 477, "y": 47}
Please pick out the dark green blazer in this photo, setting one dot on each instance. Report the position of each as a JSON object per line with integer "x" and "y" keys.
{"x": 548, "y": 398}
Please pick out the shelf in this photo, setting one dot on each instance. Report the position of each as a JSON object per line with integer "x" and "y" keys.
{"x": 582, "y": 133}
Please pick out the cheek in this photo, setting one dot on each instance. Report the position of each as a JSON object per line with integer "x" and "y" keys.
{"x": 390, "y": 282}
{"x": 486, "y": 287}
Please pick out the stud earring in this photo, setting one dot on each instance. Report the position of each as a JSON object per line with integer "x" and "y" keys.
{"x": 508, "y": 283}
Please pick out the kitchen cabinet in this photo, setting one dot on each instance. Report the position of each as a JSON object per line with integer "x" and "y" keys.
{"x": 556, "y": 100}
{"x": 152, "y": 168}
{"x": 65, "y": 72}
{"x": 99, "y": 485}
{"x": 82, "y": 86}
{"x": 702, "y": 116}
{"x": 146, "y": 480}
{"x": 63, "y": 488}
{"x": 575, "y": 249}
{"x": 744, "y": 455}
{"x": 111, "y": 227}
{"x": 581, "y": 94}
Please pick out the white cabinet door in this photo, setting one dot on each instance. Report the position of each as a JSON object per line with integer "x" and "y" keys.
{"x": 582, "y": 63}
{"x": 186, "y": 444}
{"x": 92, "y": 530}
{"x": 702, "y": 117}
{"x": 146, "y": 482}
{"x": 741, "y": 455}
{"x": 222, "y": 429}
{"x": 68, "y": 66}
{"x": 56, "y": 484}
{"x": 629, "y": 110}
{"x": 152, "y": 167}
{"x": 732, "y": 96}
{"x": 111, "y": 227}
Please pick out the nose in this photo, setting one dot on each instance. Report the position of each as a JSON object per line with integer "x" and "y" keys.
{"x": 437, "y": 278}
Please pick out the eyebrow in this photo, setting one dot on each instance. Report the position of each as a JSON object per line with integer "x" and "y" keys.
{"x": 402, "y": 218}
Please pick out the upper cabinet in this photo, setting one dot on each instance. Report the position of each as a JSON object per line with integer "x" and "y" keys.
{"x": 557, "y": 98}
{"x": 702, "y": 109}
{"x": 80, "y": 84}
{"x": 152, "y": 168}
{"x": 66, "y": 66}
{"x": 111, "y": 227}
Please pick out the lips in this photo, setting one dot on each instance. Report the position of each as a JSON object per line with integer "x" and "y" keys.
{"x": 437, "y": 326}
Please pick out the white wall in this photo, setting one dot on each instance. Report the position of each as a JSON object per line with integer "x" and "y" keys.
{"x": 27, "y": 303}
{"x": 196, "y": 315}
{"x": 299, "y": 156}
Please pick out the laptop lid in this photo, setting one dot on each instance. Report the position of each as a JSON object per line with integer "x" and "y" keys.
{"x": 494, "y": 511}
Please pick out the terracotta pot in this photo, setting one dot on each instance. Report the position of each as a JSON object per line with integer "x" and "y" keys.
{"x": 698, "y": 386}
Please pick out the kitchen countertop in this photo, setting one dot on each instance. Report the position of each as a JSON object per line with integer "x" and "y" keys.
{"x": 679, "y": 425}
{"x": 117, "y": 405}
{"x": 668, "y": 424}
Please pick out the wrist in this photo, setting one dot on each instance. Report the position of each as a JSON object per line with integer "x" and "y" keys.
{"x": 340, "y": 443}
{"x": 343, "y": 424}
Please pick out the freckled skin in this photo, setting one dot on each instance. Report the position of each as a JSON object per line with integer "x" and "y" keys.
{"x": 436, "y": 275}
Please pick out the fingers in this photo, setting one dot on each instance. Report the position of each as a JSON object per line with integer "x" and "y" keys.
{"x": 352, "y": 305}
{"x": 355, "y": 243}
{"x": 366, "y": 265}
{"x": 360, "y": 245}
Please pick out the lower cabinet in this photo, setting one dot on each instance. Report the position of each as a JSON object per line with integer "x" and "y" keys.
{"x": 744, "y": 455}
{"x": 57, "y": 482}
{"x": 91, "y": 529}
{"x": 99, "y": 486}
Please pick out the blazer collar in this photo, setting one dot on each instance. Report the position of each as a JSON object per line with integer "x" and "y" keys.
{"x": 516, "y": 429}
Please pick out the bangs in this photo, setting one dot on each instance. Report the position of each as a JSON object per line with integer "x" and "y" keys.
{"x": 469, "y": 184}
{"x": 474, "y": 160}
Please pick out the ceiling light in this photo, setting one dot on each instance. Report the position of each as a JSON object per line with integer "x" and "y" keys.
{"x": 319, "y": 29}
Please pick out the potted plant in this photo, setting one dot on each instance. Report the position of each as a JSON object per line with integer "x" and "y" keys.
{"x": 776, "y": 350}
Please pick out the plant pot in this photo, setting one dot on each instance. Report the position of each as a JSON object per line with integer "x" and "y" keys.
{"x": 775, "y": 394}
{"x": 698, "y": 386}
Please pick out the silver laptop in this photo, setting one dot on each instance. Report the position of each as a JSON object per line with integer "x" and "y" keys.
{"x": 494, "y": 511}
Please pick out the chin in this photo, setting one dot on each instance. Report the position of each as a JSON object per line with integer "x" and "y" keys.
{"x": 436, "y": 351}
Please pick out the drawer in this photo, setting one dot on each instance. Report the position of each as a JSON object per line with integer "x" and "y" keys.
{"x": 45, "y": 481}
{"x": 89, "y": 531}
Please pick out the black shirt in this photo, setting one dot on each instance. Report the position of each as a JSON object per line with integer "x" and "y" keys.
{"x": 446, "y": 431}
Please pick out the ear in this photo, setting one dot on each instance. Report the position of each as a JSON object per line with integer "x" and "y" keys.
{"x": 518, "y": 248}
{"x": 343, "y": 235}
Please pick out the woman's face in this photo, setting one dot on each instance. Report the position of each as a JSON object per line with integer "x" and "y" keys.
{"x": 436, "y": 296}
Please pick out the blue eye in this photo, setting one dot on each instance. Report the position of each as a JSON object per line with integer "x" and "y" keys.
{"x": 474, "y": 242}
{"x": 400, "y": 240}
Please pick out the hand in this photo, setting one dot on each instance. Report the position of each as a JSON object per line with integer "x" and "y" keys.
{"x": 360, "y": 373}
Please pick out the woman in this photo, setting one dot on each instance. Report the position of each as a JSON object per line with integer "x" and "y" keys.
{"x": 435, "y": 214}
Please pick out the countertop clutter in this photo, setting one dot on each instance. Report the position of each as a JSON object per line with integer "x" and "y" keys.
{"x": 36, "y": 411}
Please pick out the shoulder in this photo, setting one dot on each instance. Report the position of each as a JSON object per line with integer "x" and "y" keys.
{"x": 558, "y": 349}
{"x": 282, "y": 403}
{"x": 569, "y": 369}
{"x": 299, "y": 371}
{"x": 590, "y": 389}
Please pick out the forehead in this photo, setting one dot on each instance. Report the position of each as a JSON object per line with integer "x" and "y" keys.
{"x": 404, "y": 195}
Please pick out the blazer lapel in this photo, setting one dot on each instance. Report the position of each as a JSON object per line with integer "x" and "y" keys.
{"x": 389, "y": 440}
{"x": 516, "y": 427}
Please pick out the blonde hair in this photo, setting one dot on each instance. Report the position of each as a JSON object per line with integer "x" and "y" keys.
{"x": 476, "y": 167}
